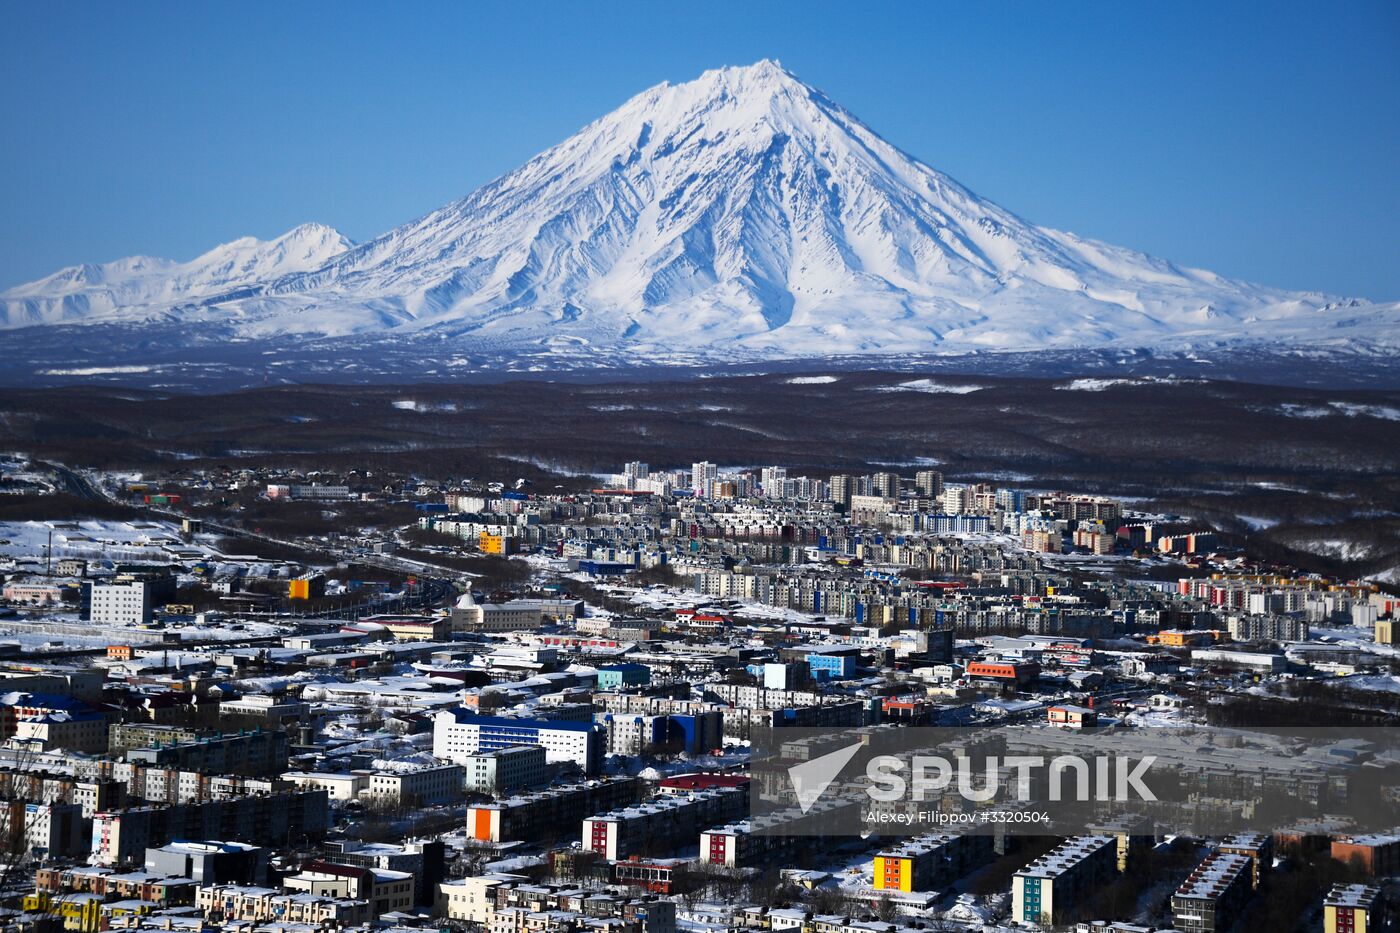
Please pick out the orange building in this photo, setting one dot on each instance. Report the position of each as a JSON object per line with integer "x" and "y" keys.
{"x": 309, "y": 586}
{"x": 496, "y": 544}
{"x": 1375, "y": 855}
{"x": 1071, "y": 717}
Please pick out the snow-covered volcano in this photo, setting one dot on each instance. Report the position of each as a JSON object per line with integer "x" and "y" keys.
{"x": 740, "y": 215}
{"x": 136, "y": 287}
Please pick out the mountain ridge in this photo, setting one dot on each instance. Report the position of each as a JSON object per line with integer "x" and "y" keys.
{"x": 94, "y": 291}
{"x": 740, "y": 215}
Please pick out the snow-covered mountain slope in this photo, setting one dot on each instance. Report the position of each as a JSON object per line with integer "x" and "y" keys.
{"x": 740, "y": 215}
{"x": 141, "y": 285}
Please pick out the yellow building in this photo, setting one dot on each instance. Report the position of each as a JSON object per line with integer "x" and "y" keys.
{"x": 894, "y": 873}
{"x": 1385, "y": 631}
{"x": 308, "y": 586}
{"x": 926, "y": 862}
{"x": 80, "y": 911}
{"x": 1350, "y": 908}
{"x": 1133, "y": 831}
{"x": 1257, "y": 847}
{"x": 500, "y": 544}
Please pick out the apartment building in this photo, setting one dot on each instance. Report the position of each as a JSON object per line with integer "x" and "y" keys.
{"x": 1258, "y": 848}
{"x": 423, "y": 860}
{"x": 55, "y": 829}
{"x": 386, "y": 890}
{"x": 250, "y": 753}
{"x": 1354, "y": 908}
{"x": 156, "y": 889}
{"x": 550, "y": 813}
{"x": 1049, "y": 890}
{"x": 930, "y": 861}
{"x": 1211, "y": 897}
{"x": 265, "y": 710}
{"x": 1375, "y": 854}
{"x": 212, "y": 862}
{"x": 37, "y": 786}
{"x": 123, "y": 836}
{"x": 173, "y": 785}
{"x": 471, "y": 900}
{"x": 459, "y": 734}
{"x": 517, "y": 615}
{"x": 339, "y": 786}
{"x": 123, "y": 604}
{"x": 227, "y": 902}
{"x": 743, "y": 844}
{"x": 660, "y": 824}
{"x": 416, "y": 787}
{"x": 19, "y": 706}
{"x": 504, "y": 770}
{"x": 518, "y": 908}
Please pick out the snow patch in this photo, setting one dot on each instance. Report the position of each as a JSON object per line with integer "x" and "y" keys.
{"x": 931, "y": 386}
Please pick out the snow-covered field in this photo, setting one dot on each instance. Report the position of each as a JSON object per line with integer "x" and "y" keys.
{"x": 931, "y": 386}
{"x": 93, "y": 540}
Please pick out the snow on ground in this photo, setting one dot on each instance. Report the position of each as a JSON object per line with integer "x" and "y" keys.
{"x": 550, "y": 466}
{"x": 1380, "y": 683}
{"x": 98, "y": 371}
{"x": 543, "y": 562}
{"x": 100, "y": 541}
{"x": 1349, "y": 409}
{"x": 281, "y": 683}
{"x": 1352, "y": 410}
{"x": 931, "y": 386}
{"x": 914, "y": 461}
{"x": 1093, "y": 385}
{"x": 87, "y": 538}
{"x": 1356, "y": 638}
{"x": 811, "y": 380}
{"x": 1099, "y": 385}
{"x": 1387, "y": 576}
{"x": 1340, "y": 548}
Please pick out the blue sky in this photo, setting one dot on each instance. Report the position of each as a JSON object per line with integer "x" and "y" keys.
{"x": 1259, "y": 141}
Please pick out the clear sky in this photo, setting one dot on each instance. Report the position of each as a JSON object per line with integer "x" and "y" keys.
{"x": 1258, "y": 140}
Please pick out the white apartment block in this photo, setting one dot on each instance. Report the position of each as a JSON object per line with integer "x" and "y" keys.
{"x": 420, "y": 787}
{"x": 459, "y": 734}
{"x": 118, "y": 603}
{"x": 502, "y": 770}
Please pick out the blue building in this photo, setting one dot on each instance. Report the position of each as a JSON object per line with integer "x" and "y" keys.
{"x": 461, "y": 733}
{"x": 621, "y": 676}
{"x": 837, "y": 664}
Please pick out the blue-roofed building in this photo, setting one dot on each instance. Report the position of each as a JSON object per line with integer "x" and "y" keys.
{"x": 460, "y": 733}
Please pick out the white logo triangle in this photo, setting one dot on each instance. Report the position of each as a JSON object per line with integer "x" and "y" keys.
{"x": 811, "y": 778}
